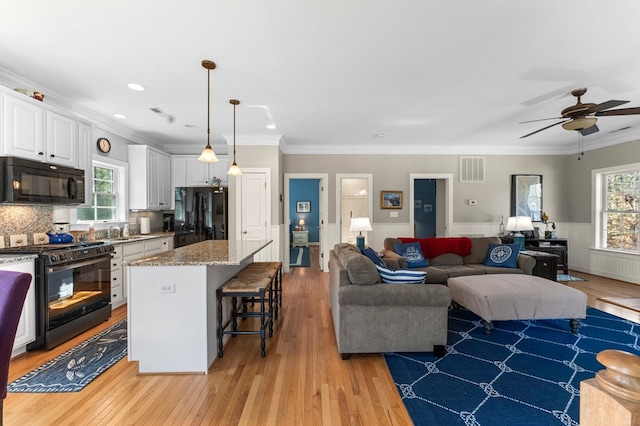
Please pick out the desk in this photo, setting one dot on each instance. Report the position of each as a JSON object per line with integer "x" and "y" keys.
{"x": 557, "y": 246}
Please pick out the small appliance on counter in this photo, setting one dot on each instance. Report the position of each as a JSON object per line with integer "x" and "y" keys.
{"x": 145, "y": 225}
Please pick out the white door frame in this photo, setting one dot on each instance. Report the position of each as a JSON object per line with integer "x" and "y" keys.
{"x": 448, "y": 178}
{"x": 324, "y": 218}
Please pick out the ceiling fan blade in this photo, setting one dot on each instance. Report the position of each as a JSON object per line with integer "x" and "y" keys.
{"x": 622, "y": 111}
{"x": 544, "y": 128}
{"x": 541, "y": 119}
{"x": 589, "y": 130}
{"x": 605, "y": 105}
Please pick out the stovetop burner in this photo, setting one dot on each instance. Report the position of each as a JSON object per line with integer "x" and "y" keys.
{"x": 55, "y": 254}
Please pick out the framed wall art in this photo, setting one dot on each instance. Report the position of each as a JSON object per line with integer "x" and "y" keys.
{"x": 390, "y": 199}
{"x": 526, "y": 196}
{"x": 303, "y": 206}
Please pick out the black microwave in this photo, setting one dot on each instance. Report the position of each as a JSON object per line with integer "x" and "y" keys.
{"x": 31, "y": 182}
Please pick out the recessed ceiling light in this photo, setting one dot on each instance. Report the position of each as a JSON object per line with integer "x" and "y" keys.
{"x": 380, "y": 135}
{"x": 118, "y": 115}
{"x": 135, "y": 86}
{"x": 271, "y": 126}
{"x": 189, "y": 126}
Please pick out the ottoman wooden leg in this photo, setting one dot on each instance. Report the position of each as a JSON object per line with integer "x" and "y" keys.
{"x": 488, "y": 327}
{"x": 439, "y": 351}
{"x": 575, "y": 325}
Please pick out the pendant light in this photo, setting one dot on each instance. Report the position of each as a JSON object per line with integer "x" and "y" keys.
{"x": 234, "y": 170}
{"x": 207, "y": 154}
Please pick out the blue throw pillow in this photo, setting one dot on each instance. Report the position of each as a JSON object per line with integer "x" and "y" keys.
{"x": 412, "y": 253}
{"x": 401, "y": 276}
{"x": 374, "y": 256}
{"x": 504, "y": 255}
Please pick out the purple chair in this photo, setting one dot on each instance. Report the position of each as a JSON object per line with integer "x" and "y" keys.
{"x": 13, "y": 291}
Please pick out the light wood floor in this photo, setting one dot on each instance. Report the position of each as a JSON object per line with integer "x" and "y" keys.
{"x": 302, "y": 380}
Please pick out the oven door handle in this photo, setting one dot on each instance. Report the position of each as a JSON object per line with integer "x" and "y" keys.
{"x": 54, "y": 269}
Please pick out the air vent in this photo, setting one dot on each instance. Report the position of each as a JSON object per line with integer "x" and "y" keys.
{"x": 161, "y": 113}
{"x": 472, "y": 169}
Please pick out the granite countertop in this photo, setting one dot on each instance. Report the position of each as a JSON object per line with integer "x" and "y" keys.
{"x": 138, "y": 237}
{"x": 10, "y": 258}
{"x": 210, "y": 252}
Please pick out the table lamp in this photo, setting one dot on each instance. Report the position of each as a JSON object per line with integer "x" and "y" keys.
{"x": 517, "y": 224}
{"x": 359, "y": 224}
{"x": 301, "y": 225}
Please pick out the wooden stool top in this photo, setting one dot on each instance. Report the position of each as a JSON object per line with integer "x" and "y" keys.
{"x": 245, "y": 285}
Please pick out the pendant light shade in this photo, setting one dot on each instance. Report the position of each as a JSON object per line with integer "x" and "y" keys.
{"x": 234, "y": 170}
{"x": 207, "y": 154}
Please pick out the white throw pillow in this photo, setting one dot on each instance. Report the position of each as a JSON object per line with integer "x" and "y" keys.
{"x": 401, "y": 276}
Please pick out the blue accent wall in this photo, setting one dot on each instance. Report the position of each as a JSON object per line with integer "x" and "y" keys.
{"x": 305, "y": 190}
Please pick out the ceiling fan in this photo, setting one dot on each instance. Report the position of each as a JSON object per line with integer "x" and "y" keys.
{"x": 582, "y": 117}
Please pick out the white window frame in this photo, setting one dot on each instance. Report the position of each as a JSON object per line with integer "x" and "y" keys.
{"x": 121, "y": 178}
{"x": 600, "y": 202}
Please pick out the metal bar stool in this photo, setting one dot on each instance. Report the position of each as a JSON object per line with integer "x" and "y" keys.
{"x": 250, "y": 287}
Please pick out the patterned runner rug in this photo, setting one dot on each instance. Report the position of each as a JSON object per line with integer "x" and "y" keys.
{"x": 76, "y": 368}
{"x": 524, "y": 373}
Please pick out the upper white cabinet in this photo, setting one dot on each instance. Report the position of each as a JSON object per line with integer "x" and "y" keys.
{"x": 199, "y": 173}
{"x": 62, "y": 140}
{"x": 31, "y": 131}
{"x": 150, "y": 178}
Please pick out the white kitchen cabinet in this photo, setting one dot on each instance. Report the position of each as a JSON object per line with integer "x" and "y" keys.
{"x": 26, "y": 332}
{"x": 117, "y": 286}
{"x": 152, "y": 247}
{"x": 33, "y": 132}
{"x": 167, "y": 244}
{"x": 61, "y": 140}
{"x": 199, "y": 173}
{"x": 23, "y": 128}
{"x": 178, "y": 176}
{"x": 150, "y": 178}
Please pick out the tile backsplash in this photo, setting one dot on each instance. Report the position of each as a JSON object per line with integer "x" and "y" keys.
{"x": 26, "y": 220}
{"x": 30, "y": 219}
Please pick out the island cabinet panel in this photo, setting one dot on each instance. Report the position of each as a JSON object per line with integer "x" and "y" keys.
{"x": 26, "y": 332}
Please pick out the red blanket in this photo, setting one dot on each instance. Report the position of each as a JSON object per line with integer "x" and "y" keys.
{"x": 433, "y": 247}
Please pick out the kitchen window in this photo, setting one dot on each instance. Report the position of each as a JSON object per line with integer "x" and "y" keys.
{"x": 107, "y": 195}
{"x": 618, "y": 224}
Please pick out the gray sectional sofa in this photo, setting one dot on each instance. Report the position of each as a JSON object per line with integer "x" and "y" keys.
{"x": 449, "y": 265}
{"x": 370, "y": 316}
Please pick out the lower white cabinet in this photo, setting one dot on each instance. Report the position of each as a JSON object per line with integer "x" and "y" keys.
{"x": 26, "y": 332}
{"x": 126, "y": 252}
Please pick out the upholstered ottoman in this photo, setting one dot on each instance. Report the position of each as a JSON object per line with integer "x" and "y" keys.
{"x": 503, "y": 297}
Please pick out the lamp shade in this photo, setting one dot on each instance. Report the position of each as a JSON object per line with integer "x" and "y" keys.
{"x": 519, "y": 223}
{"x": 359, "y": 224}
{"x": 301, "y": 223}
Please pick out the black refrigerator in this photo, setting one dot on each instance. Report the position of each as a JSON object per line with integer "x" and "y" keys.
{"x": 200, "y": 214}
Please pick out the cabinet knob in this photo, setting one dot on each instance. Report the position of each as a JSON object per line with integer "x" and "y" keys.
{"x": 52, "y": 156}
{"x": 41, "y": 153}
{"x": 115, "y": 278}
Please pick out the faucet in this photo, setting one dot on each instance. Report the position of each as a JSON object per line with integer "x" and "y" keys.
{"x": 115, "y": 230}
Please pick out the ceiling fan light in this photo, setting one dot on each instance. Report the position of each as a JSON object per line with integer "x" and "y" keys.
{"x": 579, "y": 123}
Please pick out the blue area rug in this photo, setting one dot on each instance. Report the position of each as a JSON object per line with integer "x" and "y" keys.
{"x": 76, "y": 368}
{"x": 299, "y": 256}
{"x": 524, "y": 373}
{"x": 565, "y": 277}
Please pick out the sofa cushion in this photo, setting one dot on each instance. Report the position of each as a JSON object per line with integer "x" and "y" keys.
{"x": 460, "y": 270}
{"x": 385, "y": 295}
{"x": 412, "y": 253}
{"x": 446, "y": 259}
{"x": 361, "y": 270}
{"x": 496, "y": 269}
{"x": 503, "y": 255}
{"x": 401, "y": 276}
{"x": 479, "y": 249}
{"x": 374, "y": 256}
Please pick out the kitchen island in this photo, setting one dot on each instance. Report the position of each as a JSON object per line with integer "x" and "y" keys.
{"x": 172, "y": 304}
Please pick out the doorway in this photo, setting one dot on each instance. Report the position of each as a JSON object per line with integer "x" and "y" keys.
{"x": 305, "y": 199}
{"x": 431, "y": 195}
{"x": 353, "y": 199}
